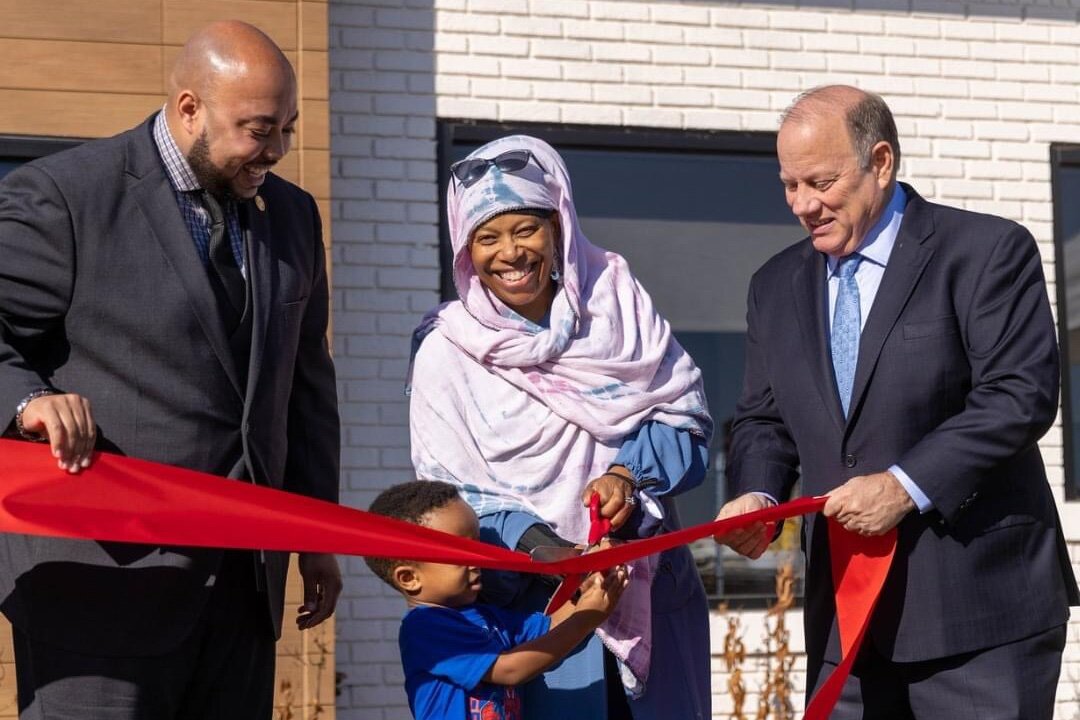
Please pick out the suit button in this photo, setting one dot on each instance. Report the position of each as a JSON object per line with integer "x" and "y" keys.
{"x": 849, "y": 460}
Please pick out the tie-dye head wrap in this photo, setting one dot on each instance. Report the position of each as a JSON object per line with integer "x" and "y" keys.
{"x": 543, "y": 184}
{"x": 608, "y": 361}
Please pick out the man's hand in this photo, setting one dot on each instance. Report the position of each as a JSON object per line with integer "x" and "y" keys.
{"x": 322, "y": 586}
{"x": 749, "y": 541}
{"x": 68, "y": 424}
{"x": 869, "y": 504}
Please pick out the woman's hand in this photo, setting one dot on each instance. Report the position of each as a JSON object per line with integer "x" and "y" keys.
{"x": 616, "y": 493}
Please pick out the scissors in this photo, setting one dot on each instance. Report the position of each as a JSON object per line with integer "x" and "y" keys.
{"x": 599, "y": 527}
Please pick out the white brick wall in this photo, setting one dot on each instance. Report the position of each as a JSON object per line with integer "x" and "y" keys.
{"x": 980, "y": 89}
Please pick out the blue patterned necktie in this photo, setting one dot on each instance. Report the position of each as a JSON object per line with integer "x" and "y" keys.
{"x": 846, "y": 327}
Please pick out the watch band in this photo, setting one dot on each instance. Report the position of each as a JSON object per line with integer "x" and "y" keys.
{"x": 21, "y": 407}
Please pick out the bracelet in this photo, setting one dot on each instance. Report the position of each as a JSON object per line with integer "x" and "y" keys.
{"x": 625, "y": 478}
{"x": 21, "y": 407}
{"x": 635, "y": 485}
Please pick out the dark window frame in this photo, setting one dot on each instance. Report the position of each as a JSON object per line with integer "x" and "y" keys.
{"x": 31, "y": 147}
{"x": 592, "y": 137}
{"x": 1064, "y": 155}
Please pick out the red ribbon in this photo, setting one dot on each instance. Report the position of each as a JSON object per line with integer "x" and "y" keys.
{"x": 129, "y": 500}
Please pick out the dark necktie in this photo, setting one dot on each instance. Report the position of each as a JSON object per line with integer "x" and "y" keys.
{"x": 846, "y": 328}
{"x": 225, "y": 275}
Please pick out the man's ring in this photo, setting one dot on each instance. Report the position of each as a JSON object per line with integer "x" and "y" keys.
{"x": 630, "y": 500}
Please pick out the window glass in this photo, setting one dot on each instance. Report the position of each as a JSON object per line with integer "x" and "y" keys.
{"x": 18, "y": 149}
{"x": 1067, "y": 232}
{"x": 694, "y": 225}
{"x": 7, "y": 166}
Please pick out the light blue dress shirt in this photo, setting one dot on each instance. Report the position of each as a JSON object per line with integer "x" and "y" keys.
{"x": 876, "y": 248}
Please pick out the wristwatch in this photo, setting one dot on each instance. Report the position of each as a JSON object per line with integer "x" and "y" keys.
{"x": 21, "y": 407}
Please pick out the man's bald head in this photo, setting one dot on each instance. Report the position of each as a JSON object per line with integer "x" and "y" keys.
{"x": 866, "y": 116}
{"x": 232, "y": 107}
{"x": 225, "y": 52}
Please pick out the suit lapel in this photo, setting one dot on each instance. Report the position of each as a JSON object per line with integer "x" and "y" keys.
{"x": 808, "y": 289}
{"x": 909, "y": 257}
{"x": 260, "y": 275}
{"x": 156, "y": 200}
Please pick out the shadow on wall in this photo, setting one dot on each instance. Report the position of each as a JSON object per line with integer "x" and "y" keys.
{"x": 1021, "y": 10}
{"x": 385, "y": 276}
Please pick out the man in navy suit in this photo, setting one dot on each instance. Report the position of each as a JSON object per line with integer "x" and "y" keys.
{"x": 902, "y": 360}
{"x": 164, "y": 295}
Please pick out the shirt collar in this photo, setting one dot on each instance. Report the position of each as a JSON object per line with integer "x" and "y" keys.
{"x": 878, "y": 244}
{"x": 181, "y": 176}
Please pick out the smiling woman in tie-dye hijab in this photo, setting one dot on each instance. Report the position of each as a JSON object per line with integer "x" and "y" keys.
{"x": 551, "y": 378}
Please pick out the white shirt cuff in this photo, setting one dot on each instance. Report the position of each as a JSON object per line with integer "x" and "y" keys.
{"x": 767, "y": 496}
{"x": 917, "y": 495}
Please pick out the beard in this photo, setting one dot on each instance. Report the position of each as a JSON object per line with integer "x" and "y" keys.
{"x": 209, "y": 176}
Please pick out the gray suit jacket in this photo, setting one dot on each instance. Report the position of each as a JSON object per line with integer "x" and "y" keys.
{"x": 957, "y": 379}
{"x": 102, "y": 294}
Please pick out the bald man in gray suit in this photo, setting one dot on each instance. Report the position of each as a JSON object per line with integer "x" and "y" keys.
{"x": 164, "y": 295}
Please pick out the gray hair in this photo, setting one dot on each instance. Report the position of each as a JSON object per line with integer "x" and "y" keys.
{"x": 868, "y": 119}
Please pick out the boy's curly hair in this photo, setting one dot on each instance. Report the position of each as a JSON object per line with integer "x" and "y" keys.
{"x": 409, "y": 502}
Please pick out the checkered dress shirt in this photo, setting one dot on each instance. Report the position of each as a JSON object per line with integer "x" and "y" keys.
{"x": 187, "y": 190}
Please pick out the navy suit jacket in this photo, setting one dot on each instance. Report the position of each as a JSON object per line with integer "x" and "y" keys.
{"x": 102, "y": 294}
{"x": 957, "y": 379}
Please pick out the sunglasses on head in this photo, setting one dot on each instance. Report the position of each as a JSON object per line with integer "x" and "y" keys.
{"x": 470, "y": 170}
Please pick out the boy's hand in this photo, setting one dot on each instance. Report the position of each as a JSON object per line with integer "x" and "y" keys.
{"x": 600, "y": 592}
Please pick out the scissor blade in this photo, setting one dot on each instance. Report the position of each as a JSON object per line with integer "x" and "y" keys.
{"x": 564, "y": 592}
{"x": 553, "y": 553}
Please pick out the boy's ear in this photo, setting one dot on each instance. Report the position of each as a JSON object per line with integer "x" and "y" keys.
{"x": 407, "y": 578}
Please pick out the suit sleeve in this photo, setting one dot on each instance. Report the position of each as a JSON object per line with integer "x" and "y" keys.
{"x": 763, "y": 456}
{"x": 1013, "y": 356}
{"x": 36, "y": 278}
{"x": 314, "y": 435}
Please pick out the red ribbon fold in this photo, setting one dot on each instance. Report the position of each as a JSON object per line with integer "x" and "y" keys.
{"x": 129, "y": 500}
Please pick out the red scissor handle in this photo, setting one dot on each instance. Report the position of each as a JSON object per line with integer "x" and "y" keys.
{"x": 598, "y": 526}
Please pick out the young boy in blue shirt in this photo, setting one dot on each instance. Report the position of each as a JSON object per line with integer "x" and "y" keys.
{"x": 462, "y": 660}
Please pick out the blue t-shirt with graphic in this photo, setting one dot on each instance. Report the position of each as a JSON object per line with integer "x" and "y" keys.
{"x": 447, "y": 651}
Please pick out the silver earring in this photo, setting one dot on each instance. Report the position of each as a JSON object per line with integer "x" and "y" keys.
{"x": 555, "y": 274}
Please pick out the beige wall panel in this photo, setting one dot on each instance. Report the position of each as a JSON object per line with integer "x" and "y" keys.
{"x": 8, "y": 706}
{"x": 315, "y": 125}
{"x": 276, "y": 19}
{"x": 305, "y": 662}
{"x": 71, "y": 114}
{"x": 289, "y": 167}
{"x": 317, "y": 172}
{"x": 315, "y": 75}
{"x": 69, "y": 65}
{"x": 133, "y": 21}
{"x": 314, "y": 26}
